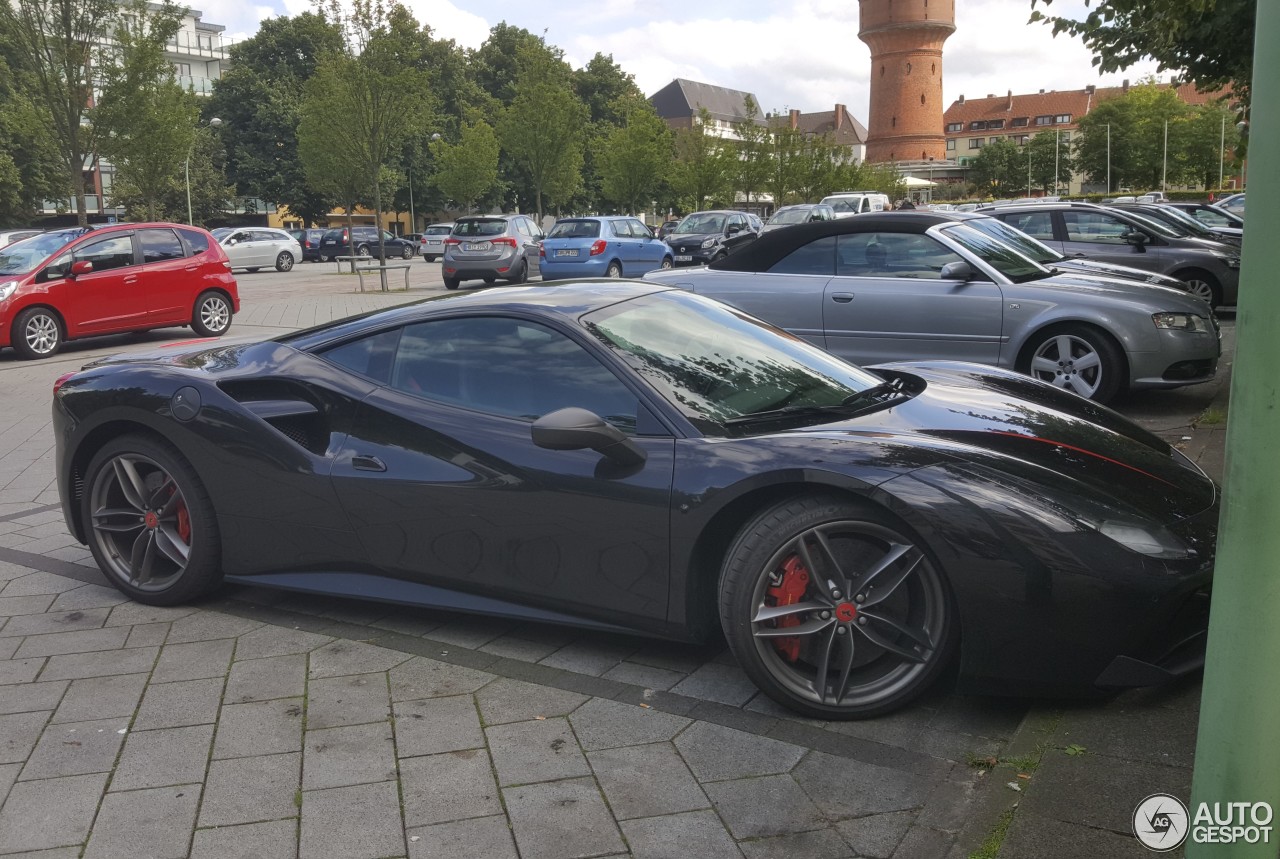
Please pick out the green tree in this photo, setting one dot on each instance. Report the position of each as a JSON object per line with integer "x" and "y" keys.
{"x": 30, "y": 170}
{"x": 54, "y": 47}
{"x": 467, "y": 170}
{"x": 785, "y": 144}
{"x": 1210, "y": 133}
{"x": 145, "y": 120}
{"x": 819, "y": 168}
{"x": 605, "y": 89}
{"x": 704, "y": 165}
{"x": 1210, "y": 40}
{"x": 753, "y": 150}
{"x": 542, "y": 129}
{"x": 259, "y": 99}
{"x": 1137, "y": 127}
{"x": 634, "y": 157}
{"x": 1000, "y": 168}
{"x": 1050, "y": 150}
{"x": 361, "y": 103}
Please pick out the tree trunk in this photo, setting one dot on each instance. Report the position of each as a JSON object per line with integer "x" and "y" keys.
{"x": 382, "y": 243}
{"x": 351, "y": 235}
{"x": 77, "y": 190}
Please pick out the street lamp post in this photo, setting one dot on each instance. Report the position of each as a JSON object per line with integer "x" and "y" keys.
{"x": 1222, "y": 149}
{"x": 1028, "y": 144}
{"x": 1057, "y": 147}
{"x": 1164, "y": 166}
{"x": 186, "y": 169}
{"x": 1108, "y": 158}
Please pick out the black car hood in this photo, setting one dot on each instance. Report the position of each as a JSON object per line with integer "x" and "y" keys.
{"x": 1021, "y": 428}
{"x": 694, "y": 239}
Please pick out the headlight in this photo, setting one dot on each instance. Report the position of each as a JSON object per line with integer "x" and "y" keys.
{"x": 1153, "y": 541}
{"x": 7, "y": 289}
{"x": 1180, "y": 321}
{"x": 1232, "y": 260}
{"x": 708, "y": 243}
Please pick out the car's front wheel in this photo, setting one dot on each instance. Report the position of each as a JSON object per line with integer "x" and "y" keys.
{"x": 1202, "y": 285}
{"x": 284, "y": 262}
{"x": 212, "y": 316}
{"x": 37, "y": 333}
{"x": 1079, "y": 359}
{"x": 834, "y": 609}
{"x": 150, "y": 522}
{"x": 406, "y": 253}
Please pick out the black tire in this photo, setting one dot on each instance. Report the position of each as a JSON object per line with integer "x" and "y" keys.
{"x": 252, "y": 270}
{"x": 521, "y": 275}
{"x": 155, "y": 536}
{"x": 284, "y": 262}
{"x": 490, "y": 281}
{"x": 211, "y": 316}
{"x": 37, "y": 333}
{"x": 886, "y": 642}
{"x": 614, "y": 269}
{"x": 452, "y": 283}
{"x": 363, "y": 251}
{"x": 667, "y": 262}
{"x": 1078, "y": 358}
{"x": 429, "y": 257}
{"x": 719, "y": 256}
{"x": 326, "y": 259}
{"x": 406, "y": 253}
{"x": 1202, "y": 285}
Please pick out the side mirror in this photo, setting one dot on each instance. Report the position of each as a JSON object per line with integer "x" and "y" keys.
{"x": 232, "y": 242}
{"x": 1135, "y": 237}
{"x": 956, "y": 271}
{"x": 81, "y": 267}
{"x": 733, "y": 230}
{"x": 579, "y": 429}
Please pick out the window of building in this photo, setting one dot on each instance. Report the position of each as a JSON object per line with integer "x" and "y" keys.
{"x": 996, "y": 123}
{"x": 1062, "y": 118}
{"x": 951, "y": 145}
{"x": 955, "y": 126}
{"x": 1019, "y": 122}
{"x": 975, "y": 143}
{"x": 977, "y": 126}
{"x": 183, "y": 69}
{"x": 205, "y": 42}
{"x": 992, "y": 139}
{"x": 1022, "y": 139}
{"x": 1044, "y": 120}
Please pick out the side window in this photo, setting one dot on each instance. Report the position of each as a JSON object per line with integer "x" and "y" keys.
{"x": 508, "y": 367}
{"x": 266, "y": 236}
{"x": 817, "y": 257}
{"x": 639, "y": 230}
{"x": 904, "y": 255}
{"x": 739, "y": 221}
{"x": 621, "y": 229}
{"x": 242, "y": 236}
{"x": 160, "y": 245}
{"x": 386, "y": 237}
{"x": 370, "y": 356}
{"x": 108, "y": 253}
{"x": 1038, "y": 225}
{"x": 198, "y": 241}
{"x": 525, "y": 227}
{"x": 1095, "y": 227}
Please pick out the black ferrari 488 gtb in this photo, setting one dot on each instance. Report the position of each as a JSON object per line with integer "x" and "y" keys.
{"x": 630, "y": 457}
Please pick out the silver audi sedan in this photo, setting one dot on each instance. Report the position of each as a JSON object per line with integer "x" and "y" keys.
{"x": 898, "y": 286}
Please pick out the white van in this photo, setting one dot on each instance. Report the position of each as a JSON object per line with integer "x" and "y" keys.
{"x": 848, "y": 203}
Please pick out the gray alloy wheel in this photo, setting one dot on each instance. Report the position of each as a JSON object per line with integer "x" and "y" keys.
{"x": 37, "y": 333}
{"x": 406, "y": 253}
{"x": 1078, "y": 359}
{"x": 614, "y": 270}
{"x": 834, "y": 611}
{"x": 150, "y": 523}
{"x": 284, "y": 262}
{"x": 212, "y": 315}
{"x": 363, "y": 251}
{"x": 667, "y": 263}
{"x": 1202, "y": 289}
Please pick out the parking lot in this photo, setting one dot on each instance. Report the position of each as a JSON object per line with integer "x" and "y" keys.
{"x": 269, "y": 724}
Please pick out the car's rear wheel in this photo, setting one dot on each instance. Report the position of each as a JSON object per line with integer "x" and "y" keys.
{"x": 490, "y": 281}
{"x": 667, "y": 262}
{"x": 363, "y": 251}
{"x": 284, "y": 262}
{"x": 1202, "y": 285}
{"x": 521, "y": 275}
{"x": 452, "y": 283}
{"x": 834, "y": 610}
{"x": 429, "y": 257}
{"x": 614, "y": 270}
{"x": 150, "y": 523}
{"x": 212, "y": 316}
{"x": 406, "y": 253}
{"x": 1079, "y": 359}
{"x": 37, "y": 333}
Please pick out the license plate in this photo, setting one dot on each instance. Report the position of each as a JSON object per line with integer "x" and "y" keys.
{"x": 476, "y": 247}
{"x": 570, "y": 252}
{"x": 684, "y": 258}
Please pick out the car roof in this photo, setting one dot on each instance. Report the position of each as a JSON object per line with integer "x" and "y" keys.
{"x": 1044, "y": 207}
{"x": 766, "y": 250}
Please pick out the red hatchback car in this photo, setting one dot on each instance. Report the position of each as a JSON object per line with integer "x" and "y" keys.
{"x": 79, "y": 282}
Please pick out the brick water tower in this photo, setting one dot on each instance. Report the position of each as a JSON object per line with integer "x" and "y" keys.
{"x": 905, "y": 37}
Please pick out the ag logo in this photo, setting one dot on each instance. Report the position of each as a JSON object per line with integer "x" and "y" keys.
{"x": 1160, "y": 822}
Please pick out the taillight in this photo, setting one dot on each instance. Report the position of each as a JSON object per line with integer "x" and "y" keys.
{"x": 453, "y": 241}
{"x": 597, "y": 247}
{"x": 542, "y": 252}
{"x": 504, "y": 241}
{"x": 60, "y": 381}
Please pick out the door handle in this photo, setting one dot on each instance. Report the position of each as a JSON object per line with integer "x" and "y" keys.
{"x": 364, "y": 462}
{"x": 133, "y": 278}
{"x": 842, "y": 297}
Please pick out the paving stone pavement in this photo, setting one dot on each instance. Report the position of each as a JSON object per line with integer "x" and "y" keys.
{"x": 264, "y": 724}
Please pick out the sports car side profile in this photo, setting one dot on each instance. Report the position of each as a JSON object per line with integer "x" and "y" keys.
{"x": 627, "y": 456}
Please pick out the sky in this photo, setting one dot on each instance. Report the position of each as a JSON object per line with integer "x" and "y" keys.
{"x": 802, "y": 54}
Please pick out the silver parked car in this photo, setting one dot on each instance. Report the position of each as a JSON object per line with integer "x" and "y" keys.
{"x": 488, "y": 247}
{"x": 905, "y": 286}
{"x": 431, "y": 242}
{"x": 254, "y": 248}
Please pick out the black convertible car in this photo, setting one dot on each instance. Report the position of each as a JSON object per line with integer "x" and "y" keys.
{"x": 626, "y": 456}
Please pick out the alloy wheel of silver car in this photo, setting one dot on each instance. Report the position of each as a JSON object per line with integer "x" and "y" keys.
{"x": 284, "y": 262}
{"x": 1202, "y": 289}
{"x": 1069, "y": 361}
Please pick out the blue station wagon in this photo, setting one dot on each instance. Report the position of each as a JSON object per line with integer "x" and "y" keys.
{"x": 602, "y": 247}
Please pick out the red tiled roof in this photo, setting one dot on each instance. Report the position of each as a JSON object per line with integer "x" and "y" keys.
{"x": 1077, "y": 103}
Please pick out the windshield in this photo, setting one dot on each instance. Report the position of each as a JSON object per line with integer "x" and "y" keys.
{"x": 1016, "y": 239}
{"x": 843, "y": 205}
{"x": 1181, "y": 220}
{"x": 790, "y": 216}
{"x": 1002, "y": 258}
{"x": 1157, "y": 227}
{"x": 715, "y": 363}
{"x": 26, "y": 256}
{"x": 575, "y": 230}
{"x": 695, "y": 224}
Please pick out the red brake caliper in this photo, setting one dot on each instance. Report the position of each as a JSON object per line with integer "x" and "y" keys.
{"x": 184, "y": 520}
{"x": 789, "y": 591}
